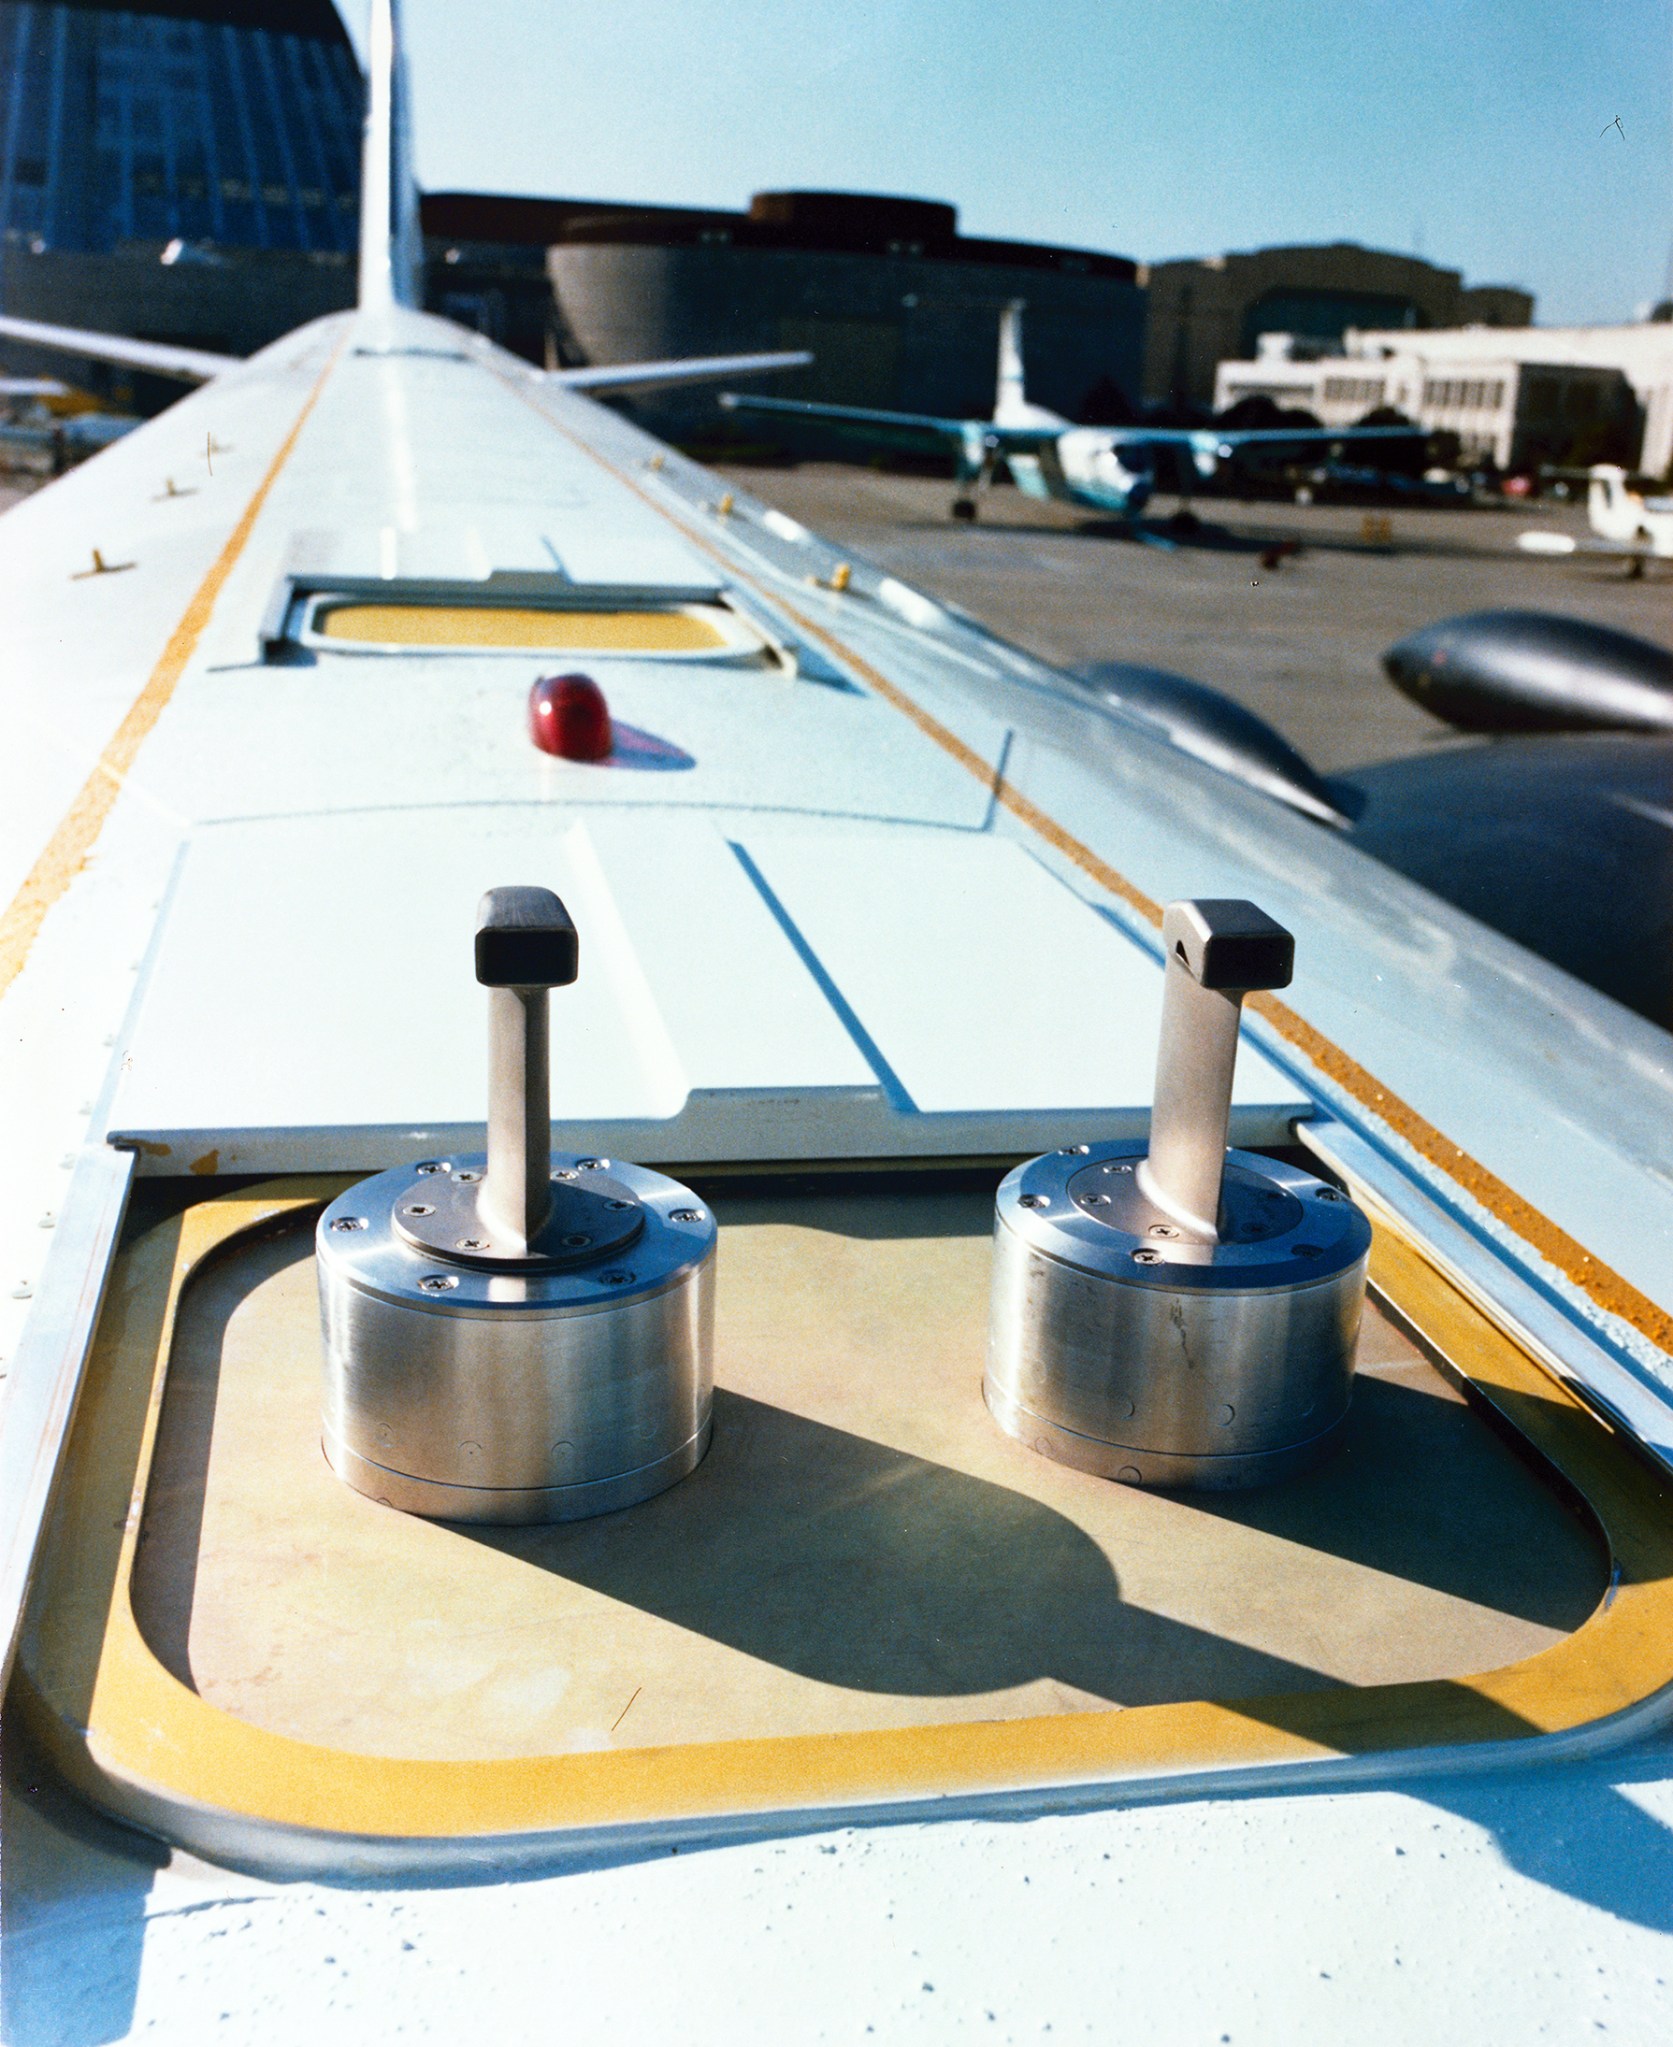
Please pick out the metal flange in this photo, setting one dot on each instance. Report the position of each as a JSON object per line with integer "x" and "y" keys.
{"x": 1174, "y": 1313}
{"x": 517, "y": 1335}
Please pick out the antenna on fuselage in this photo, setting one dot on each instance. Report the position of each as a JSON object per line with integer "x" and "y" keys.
{"x": 390, "y": 247}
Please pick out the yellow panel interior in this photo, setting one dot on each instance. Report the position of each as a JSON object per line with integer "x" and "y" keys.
{"x": 532, "y": 626}
{"x": 867, "y": 1631}
{"x": 862, "y": 1547}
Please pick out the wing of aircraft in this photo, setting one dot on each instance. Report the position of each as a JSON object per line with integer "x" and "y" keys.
{"x": 884, "y": 929}
{"x": 1216, "y": 442}
{"x": 925, "y": 429}
{"x": 920, "y": 430}
{"x": 198, "y": 366}
{"x": 1540, "y": 541}
{"x": 161, "y": 358}
{"x": 696, "y": 369}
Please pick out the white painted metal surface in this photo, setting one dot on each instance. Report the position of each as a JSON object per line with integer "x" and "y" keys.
{"x": 820, "y": 992}
{"x": 338, "y": 819}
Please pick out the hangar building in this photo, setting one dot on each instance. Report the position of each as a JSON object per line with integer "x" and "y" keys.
{"x": 900, "y": 309}
{"x": 1206, "y": 310}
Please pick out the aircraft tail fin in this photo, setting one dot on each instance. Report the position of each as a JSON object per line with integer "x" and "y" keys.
{"x": 1606, "y": 494}
{"x": 390, "y": 246}
{"x": 1010, "y": 400}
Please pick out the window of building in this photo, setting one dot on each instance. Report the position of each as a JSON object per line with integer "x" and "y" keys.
{"x": 151, "y": 126}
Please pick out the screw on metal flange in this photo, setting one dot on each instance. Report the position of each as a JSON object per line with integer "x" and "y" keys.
{"x": 474, "y": 1244}
{"x": 1328, "y": 1194}
{"x": 467, "y": 1179}
{"x": 618, "y": 1205}
{"x": 348, "y": 1222}
{"x": 617, "y": 1278}
{"x": 1163, "y": 1230}
{"x": 437, "y": 1283}
{"x": 1073, "y": 1151}
{"x": 428, "y": 1166}
{"x": 421, "y": 1208}
{"x": 1033, "y": 1201}
{"x": 563, "y": 1173}
{"x": 1094, "y": 1201}
{"x": 1145, "y": 1256}
{"x": 685, "y": 1215}
{"x": 577, "y": 1240}
{"x": 590, "y": 1165}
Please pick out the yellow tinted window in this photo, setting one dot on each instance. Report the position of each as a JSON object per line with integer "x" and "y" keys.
{"x": 494, "y": 625}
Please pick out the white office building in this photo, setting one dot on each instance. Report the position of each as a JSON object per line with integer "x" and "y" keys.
{"x": 1512, "y": 394}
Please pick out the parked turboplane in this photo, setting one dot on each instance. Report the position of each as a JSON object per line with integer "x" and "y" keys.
{"x": 1625, "y": 523}
{"x": 1098, "y": 468}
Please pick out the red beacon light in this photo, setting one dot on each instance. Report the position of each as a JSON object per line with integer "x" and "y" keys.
{"x": 569, "y": 717}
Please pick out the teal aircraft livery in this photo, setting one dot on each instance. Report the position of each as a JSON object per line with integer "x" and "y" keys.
{"x": 1099, "y": 468}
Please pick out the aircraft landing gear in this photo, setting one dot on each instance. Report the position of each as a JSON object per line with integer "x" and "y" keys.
{"x": 972, "y": 477}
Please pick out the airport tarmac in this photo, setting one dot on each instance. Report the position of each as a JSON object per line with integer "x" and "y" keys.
{"x": 1299, "y": 643}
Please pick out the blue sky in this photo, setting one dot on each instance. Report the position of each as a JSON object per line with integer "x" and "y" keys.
{"x": 1472, "y": 129}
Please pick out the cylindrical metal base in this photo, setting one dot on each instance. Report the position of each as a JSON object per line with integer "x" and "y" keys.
{"x": 1120, "y": 1347}
{"x": 473, "y": 1394}
{"x": 513, "y": 1505}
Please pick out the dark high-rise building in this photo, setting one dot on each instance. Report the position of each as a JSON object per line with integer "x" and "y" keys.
{"x": 235, "y": 122}
{"x": 180, "y": 169}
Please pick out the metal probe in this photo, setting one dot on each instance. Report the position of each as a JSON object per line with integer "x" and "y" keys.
{"x": 525, "y": 946}
{"x": 1217, "y": 952}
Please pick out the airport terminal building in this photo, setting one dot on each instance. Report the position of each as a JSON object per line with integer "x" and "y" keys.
{"x": 182, "y": 170}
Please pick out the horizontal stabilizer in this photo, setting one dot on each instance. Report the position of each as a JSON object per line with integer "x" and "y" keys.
{"x": 695, "y": 369}
{"x": 162, "y": 358}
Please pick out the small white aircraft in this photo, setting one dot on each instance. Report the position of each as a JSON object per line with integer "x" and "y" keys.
{"x": 1099, "y": 468}
{"x": 1625, "y": 523}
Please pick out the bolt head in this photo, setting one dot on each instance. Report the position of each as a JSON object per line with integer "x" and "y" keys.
{"x": 1033, "y": 1201}
{"x": 1145, "y": 1256}
{"x": 421, "y": 1208}
{"x": 685, "y": 1215}
{"x": 437, "y": 1283}
{"x": 348, "y": 1222}
{"x": 1163, "y": 1230}
{"x": 617, "y": 1278}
